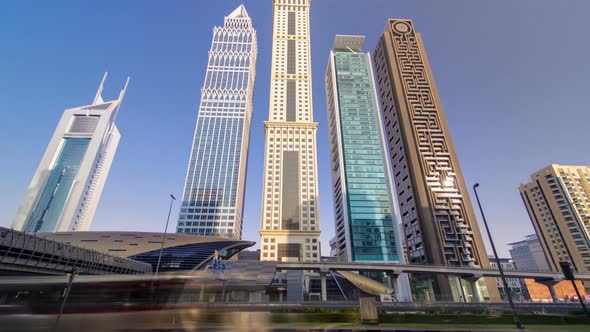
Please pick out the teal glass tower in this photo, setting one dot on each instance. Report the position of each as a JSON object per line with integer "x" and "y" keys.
{"x": 213, "y": 199}
{"x": 363, "y": 208}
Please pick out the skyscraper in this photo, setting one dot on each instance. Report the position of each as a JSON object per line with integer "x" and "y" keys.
{"x": 528, "y": 254}
{"x": 213, "y": 199}
{"x": 439, "y": 223}
{"x": 65, "y": 190}
{"x": 290, "y": 225}
{"x": 363, "y": 203}
{"x": 558, "y": 202}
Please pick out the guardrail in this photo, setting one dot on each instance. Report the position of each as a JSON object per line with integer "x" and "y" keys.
{"x": 396, "y": 268}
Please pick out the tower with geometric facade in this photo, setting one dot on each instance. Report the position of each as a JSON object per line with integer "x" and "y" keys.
{"x": 290, "y": 225}
{"x": 558, "y": 203}
{"x": 66, "y": 188}
{"x": 365, "y": 218}
{"x": 439, "y": 224}
{"x": 213, "y": 198}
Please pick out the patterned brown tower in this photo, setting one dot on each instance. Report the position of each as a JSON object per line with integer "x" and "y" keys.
{"x": 438, "y": 219}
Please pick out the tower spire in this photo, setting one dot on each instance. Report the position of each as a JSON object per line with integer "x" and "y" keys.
{"x": 239, "y": 12}
{"x": 98, "y": 97}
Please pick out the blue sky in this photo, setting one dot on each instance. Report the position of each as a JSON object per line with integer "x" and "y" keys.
{"x": 512, "y": 77}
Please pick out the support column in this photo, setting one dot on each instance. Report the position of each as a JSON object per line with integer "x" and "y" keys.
{"x": 223, "y": 291}
{"x": 553, "y": 293}
{"x": 472, "y": 280}
{"x": 202, "y": 293}
{"x": 550, "y": 283}
{"x": 323, "y": 284}
{"x": 476, "y": 297}
{"x": 462, "y": 295}
{"x": 392, "y": 276}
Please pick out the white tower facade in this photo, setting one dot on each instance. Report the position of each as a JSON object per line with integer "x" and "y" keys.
{"x": 213, "y": 199}
{"x": 290, "y": 225}
{"x": 65, "y": 190}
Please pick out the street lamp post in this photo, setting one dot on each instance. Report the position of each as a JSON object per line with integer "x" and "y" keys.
{"x": 515, "y": 318}
{"x": 172, "y": 199}
{"x": 66, "y": 293}
{"x": 572, "y": 279}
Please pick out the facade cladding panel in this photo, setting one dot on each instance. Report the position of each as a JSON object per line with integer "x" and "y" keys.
{"x": 84, "y": 124}
{"x": 292, "y": 23}
{"x": 291, "y": 101}
{"x": 291, "y": 56}
{"x": 370, "y": 218}
{"x": 290, "y": 190}
{"x": 212, "y": 203}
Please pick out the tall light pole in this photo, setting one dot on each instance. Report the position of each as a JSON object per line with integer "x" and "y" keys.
{"x": 172, "y": 199}
{"x": 515, "y": 318}
{"x": 570, "y": 275}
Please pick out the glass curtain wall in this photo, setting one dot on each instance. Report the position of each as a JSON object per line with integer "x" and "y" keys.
{"x": 53, "y": 198}
{"x": 368, "y": 196}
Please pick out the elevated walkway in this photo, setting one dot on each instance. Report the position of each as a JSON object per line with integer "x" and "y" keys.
{"x": 28, "y": 254}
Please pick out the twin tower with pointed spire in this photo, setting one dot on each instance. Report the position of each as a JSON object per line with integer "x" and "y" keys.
{"x": 65, "y": 190}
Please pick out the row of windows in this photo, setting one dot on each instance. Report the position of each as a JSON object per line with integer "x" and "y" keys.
{"x": 231, "y": 35}
{"x": 277, "y": 162}
{"x": 303, "y": 214}
{"x": 307, "y": 255}
{"x": 204, "y": 217}
{"x": 290, "y": 140}
{"x": 273, "y": 247}
{"x": 223, "y": 105}
{"x": 207, "y": 231}
{"x": 239, "y": 114}
{"x": 208, "y": 224}
{"x": 207, "y": 210}
{"x": 290, "y": 132}
{"x": 272, "y": 240}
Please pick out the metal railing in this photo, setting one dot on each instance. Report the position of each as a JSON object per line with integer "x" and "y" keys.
{"x": 25, "y": 252}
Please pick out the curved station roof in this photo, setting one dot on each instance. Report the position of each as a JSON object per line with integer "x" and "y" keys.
{"x": 181, "y": 251}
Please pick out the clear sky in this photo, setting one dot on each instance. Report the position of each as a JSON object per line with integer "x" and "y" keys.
{"x": 512, "y": 77}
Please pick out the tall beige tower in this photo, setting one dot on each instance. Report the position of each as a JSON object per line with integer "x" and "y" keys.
{"x": 290, "y": 226}
{"x": 438, "y": 220}
{"x": 558, "y": 202}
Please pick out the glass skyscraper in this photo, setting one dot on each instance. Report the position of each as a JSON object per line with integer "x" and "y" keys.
{"x": 363, "y": 207}
{"x": 66, "y": 188}
{"x": 213, "y": 196}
